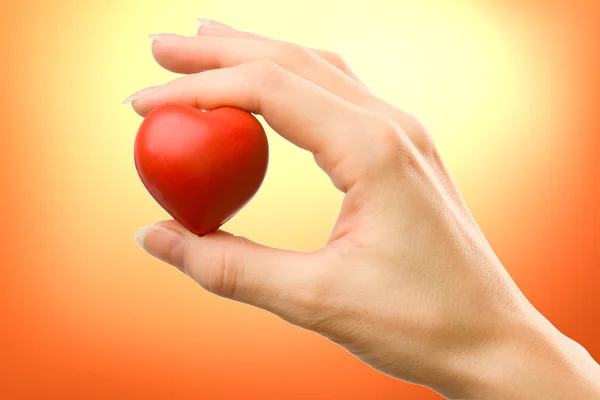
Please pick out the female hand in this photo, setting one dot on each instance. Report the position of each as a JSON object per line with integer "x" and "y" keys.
{"x": 407, "y": 281}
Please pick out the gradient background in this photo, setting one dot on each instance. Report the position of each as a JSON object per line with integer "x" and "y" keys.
{"x": 510, "y": 90}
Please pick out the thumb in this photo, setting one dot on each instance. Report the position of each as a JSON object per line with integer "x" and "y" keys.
{"x": 287, "y": 283}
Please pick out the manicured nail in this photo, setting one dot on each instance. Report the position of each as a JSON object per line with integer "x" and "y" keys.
{"x": 142, "y": 234}
{"x": 165, "y": 37}
{"x": 214, "y": 25}
{"x": 139, "y": 94}
{"x": 162, "y": 243}
{"x": 204, "y": 22}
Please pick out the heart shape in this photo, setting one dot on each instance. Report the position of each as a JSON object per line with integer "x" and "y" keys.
{"x": 201, "y": 167}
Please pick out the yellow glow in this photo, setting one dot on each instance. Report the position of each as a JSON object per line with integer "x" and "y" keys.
{"x": 455, "y": 66}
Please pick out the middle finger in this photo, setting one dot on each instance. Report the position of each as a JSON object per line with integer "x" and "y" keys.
{"x": 190, "y": 55}
{"x": 200, "y": 53}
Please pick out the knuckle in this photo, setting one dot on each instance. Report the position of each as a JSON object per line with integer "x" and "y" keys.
{"x": 419, "y": 135}
{"x": 389, "y": 132}
{"x": 223, "y": 271}
{"x": 411, "y": 127}
{"x": 392, "y": 142}
{"x": 291, "y": 51}
{"x": 260, "y": 67}
{"x": 336, "y": 59}
{"x": 426, "y": 146}
{"x": 423, "y": 141}
{"x": 267, "y": 72}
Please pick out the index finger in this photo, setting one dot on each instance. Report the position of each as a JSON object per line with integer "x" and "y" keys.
{"x": 334, "y": 130}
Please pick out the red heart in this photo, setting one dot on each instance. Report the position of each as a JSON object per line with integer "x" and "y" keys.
{"x": 201, "y": 167}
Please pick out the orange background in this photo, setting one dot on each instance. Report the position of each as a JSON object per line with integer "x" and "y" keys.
{"x": 510, "y": 90}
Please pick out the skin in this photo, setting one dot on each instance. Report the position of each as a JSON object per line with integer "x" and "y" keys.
{"x": 407, "y": 281}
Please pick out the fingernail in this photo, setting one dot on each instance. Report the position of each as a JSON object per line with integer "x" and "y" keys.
{"x": 204, "y": 22}
{"x": 165, "y": 37}
{"x": 161, "y": 243}
{"x": 139, "y": 94}
{"x": 214, "y": 25}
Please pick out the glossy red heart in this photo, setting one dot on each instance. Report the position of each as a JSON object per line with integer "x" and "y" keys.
{"x": 201, "y": 167}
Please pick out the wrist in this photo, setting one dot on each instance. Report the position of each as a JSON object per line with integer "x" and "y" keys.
{"x": 528, "y": 359}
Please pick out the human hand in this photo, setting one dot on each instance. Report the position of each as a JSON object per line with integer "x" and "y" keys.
{"x": 407, "y": 281}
